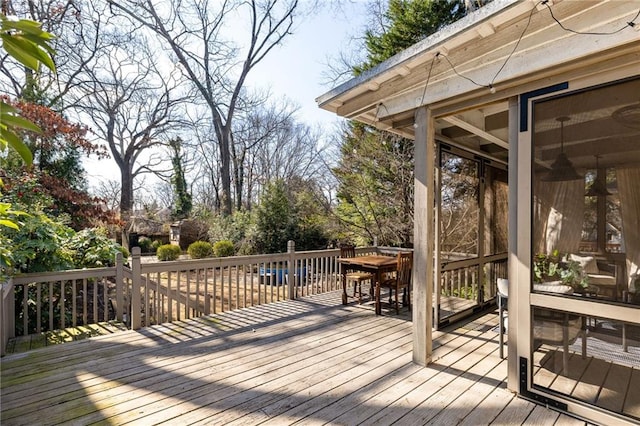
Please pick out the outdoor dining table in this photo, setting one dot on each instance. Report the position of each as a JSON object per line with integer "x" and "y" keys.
{"x": 374, "y": 264}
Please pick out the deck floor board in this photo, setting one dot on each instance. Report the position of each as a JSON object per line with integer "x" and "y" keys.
{"x": 310, "y": 361}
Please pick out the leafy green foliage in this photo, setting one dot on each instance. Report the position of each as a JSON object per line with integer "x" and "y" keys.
{"x": 92, "y": 248}
{"x": 200, "y": 250}
{"x": 183, "y": 202}
{"x": 405, "y": 23}
{"x": 375, "y": 175}
{"x": 223, "y": 248}
{"x": 553, "y": 267}
{"x": 26, "y": 42}
{"x": 146, "y": 245}
{"x": 57, "y": 186}
{"x": 168, "y": 252}
{"x": 239, "y": 227}
{"x": 155, "y": 244}
{"x": 276, "y": 219}
{"x": 375, "y": 191}
{"x": 39, "y": 245}
{"x": 287, "y": 213}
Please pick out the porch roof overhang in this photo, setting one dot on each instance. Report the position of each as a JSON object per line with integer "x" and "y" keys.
{"x": 511, "y": 46}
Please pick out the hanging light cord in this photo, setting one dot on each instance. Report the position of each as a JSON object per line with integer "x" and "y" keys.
{"x": 630, "y": 24}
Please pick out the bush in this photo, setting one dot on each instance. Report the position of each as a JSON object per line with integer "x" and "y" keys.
{"x": 200, "y": 250}
{"x": 155, "y": 244}
{"x": 93, "y": 249}
{"x": 145, "y": 244}
{"x": 169, "y": 252}
{"x": 223, "y": 248}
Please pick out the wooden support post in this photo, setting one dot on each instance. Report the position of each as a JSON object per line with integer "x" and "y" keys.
{"x": 119, "y": 287}
{"x": 423, "y": 267}
{"x": 136, "y": 305}
{"x": 291, "y": 269}
{"x": 7, "y": 314}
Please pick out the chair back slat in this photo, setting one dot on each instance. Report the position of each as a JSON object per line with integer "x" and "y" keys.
{"x": 405, "y": 263}
{"x": 347, "y": 251}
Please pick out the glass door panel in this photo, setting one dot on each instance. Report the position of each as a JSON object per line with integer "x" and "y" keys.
{"x": 473, "y": 232}
{"x": 586, "y": 248}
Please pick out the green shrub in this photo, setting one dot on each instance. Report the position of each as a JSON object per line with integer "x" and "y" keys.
{"x": 38, "y": 245}
{"x": 200, "y": 250}
{"x": 223, "y": 248}
{"x": 92, "y": 248}
{"x": 145, "y": 244}
{"x": 169, "y": 252}
{"x": 155, "y": 244}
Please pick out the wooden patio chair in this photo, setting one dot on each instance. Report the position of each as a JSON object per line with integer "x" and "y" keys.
{"x": 357, "y": 277}
{"x": 401, "y": 281}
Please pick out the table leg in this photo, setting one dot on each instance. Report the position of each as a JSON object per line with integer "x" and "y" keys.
{"x": 378, "y": 307}
{"x": 344, "y": 288}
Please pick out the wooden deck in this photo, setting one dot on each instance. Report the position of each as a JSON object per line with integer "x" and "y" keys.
{"x": 309, "y": 361}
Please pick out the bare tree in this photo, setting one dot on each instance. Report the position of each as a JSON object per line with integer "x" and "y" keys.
{"x": 133, "y": 106}
{"x": 289, "y": 150}
{"x": 109, "y": 191}
{"x": 79, "y": 27}
{"x": 252, "y": 132}
{"x": 196, "y": 33}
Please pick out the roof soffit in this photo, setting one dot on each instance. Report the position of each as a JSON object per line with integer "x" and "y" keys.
{"x": 544, "y": 45}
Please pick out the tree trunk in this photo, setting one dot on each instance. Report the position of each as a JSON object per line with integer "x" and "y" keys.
{"x": 225, "y": 173}
{"x": 126, "y": 202}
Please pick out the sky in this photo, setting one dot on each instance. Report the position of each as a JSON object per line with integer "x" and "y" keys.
{"x": 294, "y": 69}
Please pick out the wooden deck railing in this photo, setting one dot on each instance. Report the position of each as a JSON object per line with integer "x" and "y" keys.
{"x": 472, "y": 278}
{"x": 144, "y": 294}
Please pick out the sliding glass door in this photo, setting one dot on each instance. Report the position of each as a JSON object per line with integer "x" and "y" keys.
{"x": 472, "y": 219}
{"x": 584, "y": 305}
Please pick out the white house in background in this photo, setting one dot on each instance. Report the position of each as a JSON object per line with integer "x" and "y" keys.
{"x": 549, "y": 90}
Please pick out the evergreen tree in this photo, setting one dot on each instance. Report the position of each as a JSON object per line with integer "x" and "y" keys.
{"x": 375, "y": 173}
{"x": 183, "y": 202}
{"x": 276, "y": 219}
{"x": 405, "y": 23}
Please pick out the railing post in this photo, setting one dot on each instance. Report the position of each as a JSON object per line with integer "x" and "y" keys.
{"x": 291, "y": 269}
{"x": 7, "y": 314}
{"x": 136, "y": 308}
{"x": 3, "y": 322}
{"x": 119, "y": 286}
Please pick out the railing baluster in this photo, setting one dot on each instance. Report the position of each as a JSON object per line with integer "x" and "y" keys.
{"x": 244, "y": 302}
{"x": 159, "y": 301}
{"x": 39, "y": 308}
{"x": 178, "y": 293}
{"x": 25, "y": 309}
{"x": 229, "y": 286}
{"x": 85, "y": 320}
{"x": 62, "y": 304}
{"x": 105, "y": 289}
{"x": 74, "y": 311}
{"x": 169, "y": 298}
{"x": 50, "y": 305}
{"x": 95, "y": 300}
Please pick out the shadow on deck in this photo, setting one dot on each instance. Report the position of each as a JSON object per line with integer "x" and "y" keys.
{"x": 311, "y": 360}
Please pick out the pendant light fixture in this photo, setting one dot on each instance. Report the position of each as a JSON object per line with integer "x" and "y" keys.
{"x": 599, "y": 185}
{"x": 561, "y": 168}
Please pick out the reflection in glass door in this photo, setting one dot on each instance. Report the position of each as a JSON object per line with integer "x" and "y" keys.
{"x": 472, "y": 218}
{"x": 585, "y": 258}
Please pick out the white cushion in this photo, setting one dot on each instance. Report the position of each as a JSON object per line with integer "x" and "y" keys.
{"x": 587, "y": 263}
{"x": 503, "y": 286}
{"x": 599, "y": 279}
{"x": 553, "y": 287}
